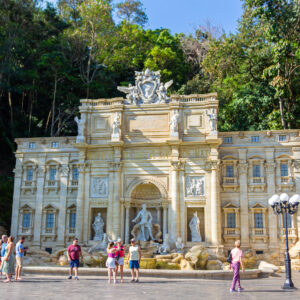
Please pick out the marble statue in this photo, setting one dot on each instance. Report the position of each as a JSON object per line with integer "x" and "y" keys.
{"x": 116, "y": 126}
{"x": 100, "y": 245}
{"x": 179, "y": 245}
{"x": 147, "y": 89}
{"x": 145, "y": 224}
{"x": 80, "y": 126}
{"x": 195, "y": 228}
{"x": 98, "y": 227}
{"x": 165, "y": 247}
{"x": 195, "y": 186}
{"x": 213, "y": 120}
{"x": 174, "y": 123}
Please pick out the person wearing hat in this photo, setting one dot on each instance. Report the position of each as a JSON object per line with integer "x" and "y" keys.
{"x": 74, "y": 253}
{"x": 134, "y": 257}
{"x": 120, "y": 257}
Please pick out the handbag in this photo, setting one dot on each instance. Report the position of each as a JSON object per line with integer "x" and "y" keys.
{"x": 229, "y": 258}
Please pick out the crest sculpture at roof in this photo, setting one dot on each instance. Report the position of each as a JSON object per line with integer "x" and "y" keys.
{"x": 148, "y": 89}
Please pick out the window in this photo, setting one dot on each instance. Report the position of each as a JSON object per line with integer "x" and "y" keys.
{"x": 72, "y": 220}
{"x": 26, "y": 220}
{"x": 32, "y": 145}
{"x": 289, "y": 221}
{"x": 229, "y": 171}
{"x": 75, "y": 174}
{"x": 50, "y": 220}
{"x": 284, "y": 170}
{"x": 227, "y": 140}
{"x": 52, "y": 175}
{"x": 255, "y": 139}
{"x": 231, "y": 220}
{"x": 29, "y": 175}
{"x": 282, "y": 138}
{"x": 256, "y": 170}
{"x": 55, "y": 144}
{"x": 259, "y": 220}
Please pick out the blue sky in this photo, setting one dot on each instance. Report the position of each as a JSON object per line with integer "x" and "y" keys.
{"x": 185, "y": 15}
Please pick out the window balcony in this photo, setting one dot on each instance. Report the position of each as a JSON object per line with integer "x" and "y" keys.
{"x": 52, "y": 185}
{"x": 73, "y": 185}
{"x": 259, "y": 235}
{"x": 286, "y": 183}
{"x": 231, "y": 234}
{"x": 29, "y": 186}
{"x": 292, "y": 235}
{"x": 257, "y": 184}
{"x": 230, "y": 183}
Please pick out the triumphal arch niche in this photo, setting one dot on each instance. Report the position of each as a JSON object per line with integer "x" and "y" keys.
{"x": 149, "y": 149}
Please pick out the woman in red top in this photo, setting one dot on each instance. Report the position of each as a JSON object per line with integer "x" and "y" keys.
{"x": 120, "y": 258}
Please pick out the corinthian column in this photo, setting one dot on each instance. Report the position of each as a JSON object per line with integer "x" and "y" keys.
{"x": 16, "y": 197}
{"x": 127, "y": 207}
{"x": 215, "y": 208}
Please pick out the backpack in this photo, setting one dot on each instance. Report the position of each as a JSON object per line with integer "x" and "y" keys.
{"x": 229, "y": 258}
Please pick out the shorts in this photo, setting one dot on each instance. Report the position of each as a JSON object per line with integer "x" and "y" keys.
{"x": 74, "y": 263}
{"x": 19, "y": 261}
{"x": 134, "y": 264}
{"x": 120, "y": 261}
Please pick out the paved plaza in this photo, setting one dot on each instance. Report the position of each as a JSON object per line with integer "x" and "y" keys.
{"x": 57, "y": 287}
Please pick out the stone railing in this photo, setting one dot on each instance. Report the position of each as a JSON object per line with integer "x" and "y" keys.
{"x": 291, "y": 232}
{"x": 229, "y": 180}
{"x": 232, "y": 231}
{"x": 101, "y": 102}
{"x": 259, "y": 231}
{"x": 194, "y": 98}
{"x": 286, "y": 179}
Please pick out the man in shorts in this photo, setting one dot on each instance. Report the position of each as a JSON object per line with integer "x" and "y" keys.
{"x": 20, "y": 250}
{"x": 74, "y": 253}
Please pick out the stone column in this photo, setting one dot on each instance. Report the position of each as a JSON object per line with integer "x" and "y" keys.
{"x": 61, "y": 228}
{"x": 39, "y": 204}
{"x": 80, "y": 201}
{"x": 182, "y": 204}
{"x": 110, "y": 204}
{"x": 165, "y": 221}
{"x": 116, "y": 232}
{"x": 86, "y": 222}
{"x": 16, "y": 197}
{"x": 215, "y": 215}
{"x": 127, "y": 208}
{"x": 175, "y": 205}
{"x": 270, "y": 180}
{"x": 244, "y": 206}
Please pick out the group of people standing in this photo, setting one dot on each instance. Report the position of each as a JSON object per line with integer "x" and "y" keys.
{"x": 9, "y": 260}
{"x": 114, "y": 262}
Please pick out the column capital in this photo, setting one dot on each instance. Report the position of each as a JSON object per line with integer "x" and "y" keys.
{"x": 270, "y": 166}
{"x": 115, "y": 166}
{"x": 127, "y": 205}
{"x": 211, "y": 165}
{"x": 178, "y": 165}
{"x": 64, "y": 170}
{"x": 18, "y": 172}
{"x": 243, "y": 168}
{"x": 296, "y": 164}
{"x": 41, "y": 170}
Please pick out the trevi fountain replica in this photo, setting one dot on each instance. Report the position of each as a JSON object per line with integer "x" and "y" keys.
{"x": 155, "y": 168}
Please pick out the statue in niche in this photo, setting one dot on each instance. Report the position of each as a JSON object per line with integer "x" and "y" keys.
{"x": 195, "y": 187}
{"x": 98, "y": 227}
{"x": 195, "y": 228}
{"x": 80, "y": 128}
{"x": 179, "y": 245}
{"x": 116, "y": 126}
{"x": 174, "y": 123}
{"x": 144, "y": 225}
{"x": 165, "y": 247}
{"x": 213, "y": 120}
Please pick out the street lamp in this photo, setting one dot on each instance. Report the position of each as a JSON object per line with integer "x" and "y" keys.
{"x": 285, "y": 205}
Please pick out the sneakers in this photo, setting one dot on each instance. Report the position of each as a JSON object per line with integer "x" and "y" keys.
{"x": 136, "y": 280}
{"x": 70, "y": 277}
{"x": 240, "y": 289}
{"x": 76, "y": 278}
{"x": 232, "y": 291}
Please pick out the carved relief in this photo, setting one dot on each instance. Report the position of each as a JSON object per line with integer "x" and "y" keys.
{"x": 194, "y": 186}
{"x": 99, "y": 187}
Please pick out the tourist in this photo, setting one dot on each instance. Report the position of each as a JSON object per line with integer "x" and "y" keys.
{"x": 8, "y": 260}
{"x": 134, "y": 258}
{"x": 111, "y": 260}
{"x": 120, "y": 258}
{"x": 20, "y": 251}
{"x": 74, "y": 253}
{"x": 3, "y": 247}
{"x": 236, "y": 262}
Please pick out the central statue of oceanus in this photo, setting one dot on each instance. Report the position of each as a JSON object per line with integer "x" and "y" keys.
{"x": 148, "y": 89}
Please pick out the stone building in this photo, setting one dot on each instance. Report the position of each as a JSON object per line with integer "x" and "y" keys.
{"x": 164, "y": 152}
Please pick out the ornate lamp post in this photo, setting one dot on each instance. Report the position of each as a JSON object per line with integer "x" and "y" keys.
{"x": 285, "y": 205}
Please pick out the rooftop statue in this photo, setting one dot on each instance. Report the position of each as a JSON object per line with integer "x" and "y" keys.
{"x": 148, "y": 89}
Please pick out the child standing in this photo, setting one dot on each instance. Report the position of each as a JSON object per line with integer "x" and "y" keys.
{"x": 134, "y": 257}
{"x": 236, "y": 262}
{"x": 111, "y": 260}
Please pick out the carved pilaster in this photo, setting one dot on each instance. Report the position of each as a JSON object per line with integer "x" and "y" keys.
{"x": 243, "y": 168}
{"x": 64, "y": 170}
